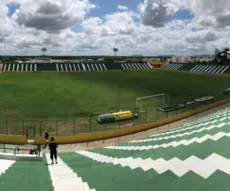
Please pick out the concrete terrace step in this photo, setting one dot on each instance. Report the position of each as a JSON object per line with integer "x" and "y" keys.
{"x": 4, "y": 165}
{"x": 204, "y": 168}
{"x": 26, "y": 176}
{"x": 63, "y": 178}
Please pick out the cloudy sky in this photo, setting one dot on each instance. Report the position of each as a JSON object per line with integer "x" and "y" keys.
{"x": 94, "y": 27}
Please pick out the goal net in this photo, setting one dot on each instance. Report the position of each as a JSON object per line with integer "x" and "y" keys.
{"x": 152, "y": 102}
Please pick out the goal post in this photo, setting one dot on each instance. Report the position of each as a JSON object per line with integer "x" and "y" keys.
{"x": 152, "y": 102}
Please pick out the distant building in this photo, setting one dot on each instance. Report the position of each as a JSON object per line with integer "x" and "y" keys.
{"x": 100, "y": 59}
{"x": 180, "y": 59}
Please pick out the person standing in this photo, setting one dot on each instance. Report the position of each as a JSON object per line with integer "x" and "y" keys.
{"x": 46, "y": 138}
{"x": 53, "y": 150}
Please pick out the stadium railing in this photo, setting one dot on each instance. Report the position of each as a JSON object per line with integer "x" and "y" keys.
{"x": 29, "y": 129}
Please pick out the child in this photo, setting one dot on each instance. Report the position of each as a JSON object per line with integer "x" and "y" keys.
{"x": 53, "y": 150}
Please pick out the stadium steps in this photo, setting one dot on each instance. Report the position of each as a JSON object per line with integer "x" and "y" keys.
{"x": 26, "y": 176}
{"x": 209, "y": 69}
{"x": 194, "y": 152}
{"x": 73, "y": 67}
{"x": 227, "y": 71}
{"x": 4, "y": 165}
{"x": 106, "y": 177}
{"x": 63, "y": 177}
{"x": 199, "y": 68}
{"x": 19, "y": 67}
{"x": 173, "y": 66}
{"x": 194, "y": 156}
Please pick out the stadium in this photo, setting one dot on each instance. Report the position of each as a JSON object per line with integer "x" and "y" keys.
{"x": 161, "y": 126}
{"x": 100, "y": 95}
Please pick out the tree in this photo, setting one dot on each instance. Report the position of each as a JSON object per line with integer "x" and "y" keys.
{"x": 115, "y": 50}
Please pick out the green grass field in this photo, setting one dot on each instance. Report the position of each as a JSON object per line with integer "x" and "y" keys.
{"x": 43, "y": 96}
{"x": 64, "y": 96}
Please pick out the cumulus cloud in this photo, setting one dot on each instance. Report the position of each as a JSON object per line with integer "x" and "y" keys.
{"x": 212, "y": 13}
{"x": 50, "y": 15}
{"x": 202, "y": 37}
{"x": 122, "y": 7}
{"x": 156, "y": 13}
{"x": 119, "y": 23}
{"x": 147, "y": 31}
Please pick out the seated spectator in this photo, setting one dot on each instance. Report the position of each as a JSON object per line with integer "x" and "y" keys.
{"x": 17, "y": 151}
{"x": 32, "y": 151}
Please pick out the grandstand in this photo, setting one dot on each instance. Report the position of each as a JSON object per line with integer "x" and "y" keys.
{"x": 198, "y": 68}
{"x": 193, "y": 156}
{"x": 74, "y": 67}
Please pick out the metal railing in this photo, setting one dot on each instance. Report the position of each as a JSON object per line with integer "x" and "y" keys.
{"x": 32, "y": 128}
{"x": 6, "y": 149}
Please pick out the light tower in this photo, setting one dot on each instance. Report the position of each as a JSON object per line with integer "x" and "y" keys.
{"x": 115, "y": 50}
{"x": 44, "y": 51}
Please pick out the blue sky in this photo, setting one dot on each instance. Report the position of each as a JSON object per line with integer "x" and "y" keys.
{"x": 12, "y": 8}
{"x": 110, "y": 6}
{"x": 183, "y": 14}
{"x": 104, "y": 7}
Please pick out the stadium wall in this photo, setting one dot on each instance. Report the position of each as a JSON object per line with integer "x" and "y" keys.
{"x": 13, "y": 139}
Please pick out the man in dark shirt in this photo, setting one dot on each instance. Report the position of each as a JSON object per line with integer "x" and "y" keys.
{"x": 53, "y": 150}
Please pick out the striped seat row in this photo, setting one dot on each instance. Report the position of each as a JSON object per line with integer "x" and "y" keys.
{"x": 72, "y": 67}
{"x": 198, "y": 68}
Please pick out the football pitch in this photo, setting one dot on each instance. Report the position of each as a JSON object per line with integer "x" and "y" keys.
{"x": 73, "y": 95}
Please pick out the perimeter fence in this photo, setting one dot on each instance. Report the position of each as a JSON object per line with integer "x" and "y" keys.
{"x": 57, "y": 127}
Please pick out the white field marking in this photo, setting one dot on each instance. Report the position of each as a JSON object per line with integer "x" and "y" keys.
{"x": 182, "y": 134}
{"x": 185, "y": 142}
{"x": 63, "y": 177}
{"x": 204, "y": 168}
{"x": 5, "y": 164}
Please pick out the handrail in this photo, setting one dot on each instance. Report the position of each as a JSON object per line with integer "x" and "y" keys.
{"x": 17, "y": 147}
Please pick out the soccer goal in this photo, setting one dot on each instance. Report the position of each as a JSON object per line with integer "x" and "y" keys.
{"x": 152, "y": 102}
